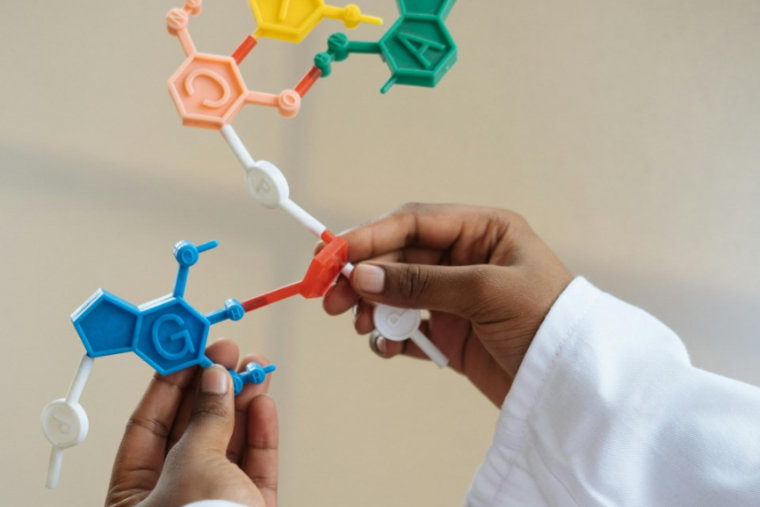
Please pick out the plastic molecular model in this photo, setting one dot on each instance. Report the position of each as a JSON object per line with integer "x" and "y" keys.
{"x": 209, "y": 91}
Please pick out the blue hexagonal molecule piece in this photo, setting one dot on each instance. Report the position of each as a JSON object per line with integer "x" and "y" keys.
{"x": 172, "y": 335}
{"x": 440, "y": 8}
{"x": 106, "y": 324}
{"x": 168, "y": 333}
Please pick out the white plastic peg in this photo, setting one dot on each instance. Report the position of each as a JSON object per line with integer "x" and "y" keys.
{"x": 65, "y": 423}
{"x": 266, "y": 184}
{"x": 397, "y": 325}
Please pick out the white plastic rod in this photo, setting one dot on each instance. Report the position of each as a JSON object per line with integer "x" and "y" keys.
{"x": 64, "y": 421}
{"x": 268, "y": 185}
{"x": 347, "y": 270}
{"x": 80, "y": 380}
{"x": 430, "y": 350}
{"x": 399, "y": 325}
{"x": 312, "y": 224}
{"x": 237, "y": 146}
{"x": 54, "y": 467}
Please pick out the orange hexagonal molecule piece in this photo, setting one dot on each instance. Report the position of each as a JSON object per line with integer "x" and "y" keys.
{"x": 208, "y": 91}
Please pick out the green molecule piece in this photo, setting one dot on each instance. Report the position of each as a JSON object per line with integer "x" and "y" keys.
{"x": 419, "y": 50}
{"x": 338, "y": 49}
{"x": 338, "y": 45}
{"x": 439, "y": 8}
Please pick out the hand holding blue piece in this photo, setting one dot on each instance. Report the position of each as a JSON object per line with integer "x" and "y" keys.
{"x": 167, "y": 333}
{"x": 231, "y": 456}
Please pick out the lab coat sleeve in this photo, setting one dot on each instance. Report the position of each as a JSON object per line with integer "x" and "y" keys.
{"x": 607, "y": 410}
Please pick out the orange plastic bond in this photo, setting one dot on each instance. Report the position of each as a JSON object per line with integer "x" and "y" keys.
{"x": 242, "y": 51}
{"x": 309, "y": 80}
{"x": 209, "y": 90}
{"x": 323, "y": 271}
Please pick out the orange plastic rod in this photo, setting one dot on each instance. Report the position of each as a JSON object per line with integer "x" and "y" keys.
{"x": 246, "y": 47}
{"x": 308, "y": 81}
{"x": 272, "y": 297}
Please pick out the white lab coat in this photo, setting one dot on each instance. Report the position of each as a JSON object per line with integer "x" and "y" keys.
{"x": 607, "y": 410}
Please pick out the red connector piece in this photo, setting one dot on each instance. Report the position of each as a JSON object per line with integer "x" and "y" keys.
{"x": 311, "y": 77}
{"x": 323, "y": 271}
{"x": 325, "y": 268}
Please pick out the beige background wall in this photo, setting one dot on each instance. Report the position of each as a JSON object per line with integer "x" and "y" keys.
{"x": 627, "y": 132}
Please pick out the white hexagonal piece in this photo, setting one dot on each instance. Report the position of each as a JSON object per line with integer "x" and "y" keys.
{"x": 267, "y": 184}
{"x": 65, "y": 425}
{"x": 396, "y": 324}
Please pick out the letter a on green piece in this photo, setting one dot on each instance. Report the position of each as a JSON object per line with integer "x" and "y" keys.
{"x": 418, "y": 46}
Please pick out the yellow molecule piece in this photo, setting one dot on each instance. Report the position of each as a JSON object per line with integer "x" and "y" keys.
{"x": 293, "y": 20}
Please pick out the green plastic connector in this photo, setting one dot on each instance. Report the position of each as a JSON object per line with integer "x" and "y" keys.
{"x": 338, "y": 49}
{"x": 418, "y": 48}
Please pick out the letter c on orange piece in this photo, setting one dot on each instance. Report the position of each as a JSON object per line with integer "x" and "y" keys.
{"x": 219, "y": 80}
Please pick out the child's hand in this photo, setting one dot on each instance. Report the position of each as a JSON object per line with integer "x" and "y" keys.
{"x": 487, "y": 278}
{"x": 190, "y": 439}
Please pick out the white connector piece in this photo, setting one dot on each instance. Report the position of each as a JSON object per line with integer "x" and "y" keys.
{"x": 397, "y": 325}
{"x": 64, "y": 421}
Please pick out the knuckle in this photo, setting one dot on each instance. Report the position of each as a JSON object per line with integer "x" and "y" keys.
{"x": 214, "y": 411}
{"x": 263, "y": 445}
{"x": 407, "y": 217}
{"x": 413, "y": 281}
{"x": 510, "y": 220}
{"x": 517, "y": 225}
{"x": 153, "y": 426}
{"x": 510, "y": 230}
{"x": 484, "y": 292}
{"x": 513, "y": 216}
{"x": 482, "y": 281}
{"x": 411, "y": 207}
{"x": 265, "y": 482}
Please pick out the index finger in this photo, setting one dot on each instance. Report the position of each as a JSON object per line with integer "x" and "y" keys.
{"x": 261, "y": 459}
{"x": 435, "y": 226}
{"x": 141, "y": 454}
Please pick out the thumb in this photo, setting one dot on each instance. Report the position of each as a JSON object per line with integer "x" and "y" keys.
{"x": 459, "y": 290}
{"x": 212, "y": 420}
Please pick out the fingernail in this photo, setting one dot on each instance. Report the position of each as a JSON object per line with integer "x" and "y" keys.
{"x": 369, "y": 279}
{"x": 214, "y": 380}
